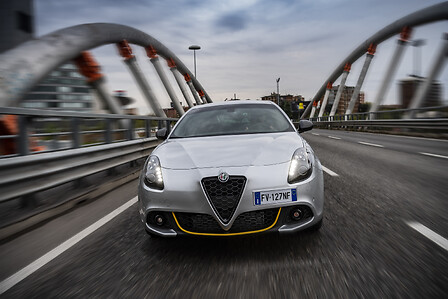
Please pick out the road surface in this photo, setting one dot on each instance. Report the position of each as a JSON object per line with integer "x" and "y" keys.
{"x": 384, "y": 236}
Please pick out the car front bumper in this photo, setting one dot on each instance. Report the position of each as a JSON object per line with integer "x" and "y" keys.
{"x": 183, "y": 203}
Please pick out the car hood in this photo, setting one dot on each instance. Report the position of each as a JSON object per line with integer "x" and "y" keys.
{"x": 228, "y": 151}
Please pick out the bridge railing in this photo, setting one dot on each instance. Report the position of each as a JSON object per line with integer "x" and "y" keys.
{"x": 30, "y": 131}
{"x": 429, "y": 119}
{"x": 97, "y": 145}
{"x": 420, "y": 113}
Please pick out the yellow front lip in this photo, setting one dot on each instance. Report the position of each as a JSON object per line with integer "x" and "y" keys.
{"x": 226, "y": 235}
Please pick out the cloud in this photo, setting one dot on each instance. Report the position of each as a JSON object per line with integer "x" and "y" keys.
{"x": 246, "y": 44}
{"x": 232, "y": 22}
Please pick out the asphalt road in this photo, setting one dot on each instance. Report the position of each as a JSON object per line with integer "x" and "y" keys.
{"x": 366, "y": 248}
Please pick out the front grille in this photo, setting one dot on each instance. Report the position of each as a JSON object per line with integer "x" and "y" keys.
{"x": 249, "y": 221}
{"x": 255, "y": 220}
{"x": 198, "y": 223}
{"x": 224, "y": 197}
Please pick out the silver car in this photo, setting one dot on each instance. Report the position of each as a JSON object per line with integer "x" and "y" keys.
{"x": 229, "y": 169}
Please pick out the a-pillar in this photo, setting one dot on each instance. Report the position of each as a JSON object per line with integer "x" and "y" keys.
{"x": 192, "y": 89}
{"x": 345, "y": 73}
{"x": 152, "y": 54}
{"x": 325, "y": 101}
{"x": 179, "y": 80}
{"x": 436, "y": 67}
{"x": 396, "y": 58}
{"x": 126, "y": 52}
{"x": 362, "y": 76}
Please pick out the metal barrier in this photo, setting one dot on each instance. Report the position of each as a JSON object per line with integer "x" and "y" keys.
{"x": 397, "y": 114}
{"x": 432, "y": 119}
{"x": 25, "y": 174}
{"x": 61, "y": 130}
{"x": 425, "y": 124}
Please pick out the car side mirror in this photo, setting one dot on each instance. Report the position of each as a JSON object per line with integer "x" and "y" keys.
{"x": 162, "y": 134}
{"x": 305, "y": 125}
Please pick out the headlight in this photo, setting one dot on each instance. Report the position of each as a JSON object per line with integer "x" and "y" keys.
{"x": 153, "y": 173}
{"x": 301, "y": 165}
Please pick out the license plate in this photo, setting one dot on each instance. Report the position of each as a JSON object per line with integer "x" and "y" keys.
{"x": 275, "y": 196}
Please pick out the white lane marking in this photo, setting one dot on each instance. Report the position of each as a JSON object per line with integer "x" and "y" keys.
{"x": 436, "y": 238}
{"x": 434, "y": 155}
{"x": 413, "y": 137}
{"x": 332, "y": 137}
{"x": 315, "y": 134}
{"x": 370, "y": 144}
{"x": 332, "y": 173}
{"x": 48, "y": 257}
{"x": 392, "y": 135}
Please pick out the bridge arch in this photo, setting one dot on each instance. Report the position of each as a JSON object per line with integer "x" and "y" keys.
{"x": 24, "y": 66}
{"x": 427, "y": 15}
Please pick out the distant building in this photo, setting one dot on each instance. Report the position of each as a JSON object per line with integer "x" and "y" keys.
{"x": 63, "y": 89}
{"x": 362, "y": 97}
{"x": 409, "y": 86}
{"x": 287, "y": 97}
{"x": 344, "y": 100}
{"x": 17, "y": 25}
{"x": 131, "y": 111}
{"x": 122, "y": 97}
{"x": 296, "y": 104}
{"x": 172, "y": 113}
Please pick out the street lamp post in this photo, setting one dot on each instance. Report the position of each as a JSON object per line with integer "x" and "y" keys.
{"x": 194, "y": 48}
{"x": 278, "y": 95}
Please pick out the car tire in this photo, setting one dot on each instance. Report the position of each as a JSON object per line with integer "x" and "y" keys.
{"x": 316, "y": 226}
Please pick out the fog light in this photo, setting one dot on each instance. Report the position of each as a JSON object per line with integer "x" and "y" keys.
{"x": 159, "y": 220}
{"x": 296, "y": 214}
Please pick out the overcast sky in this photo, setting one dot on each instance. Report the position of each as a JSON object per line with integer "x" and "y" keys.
{"x": 247, "y": 44}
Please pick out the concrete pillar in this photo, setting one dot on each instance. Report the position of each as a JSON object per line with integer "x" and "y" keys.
{"x": 192, "y": 89}
{"x": 126, "y": 52}
{"x": 326, "y": 96}
{"x": 362, "y": 76}
{"x": 396, "y": 58}
{"x": 313, "y": 110}
{"x": 88, "y": 66}
{"x": 334, "y": 108}
{"x": 436, "y": 67}
{"x": 168, "y": 87}
{"x": 202, "y": 95}
{"x": 108, "y": 101}
{"x": 181, "y": 84}
{"x": 144, "y": 87}
{"x": 152, "y": 54}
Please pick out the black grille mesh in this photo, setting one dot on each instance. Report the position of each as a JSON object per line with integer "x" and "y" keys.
{"x": 198, "y": 223}
{"x": 249, "y": 221}
{"x": 255, "y": 220}
{"x": 224, "y": 197}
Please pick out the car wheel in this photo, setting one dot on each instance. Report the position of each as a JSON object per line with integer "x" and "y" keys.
{"x": 316, "y": 226}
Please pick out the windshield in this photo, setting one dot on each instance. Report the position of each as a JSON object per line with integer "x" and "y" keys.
{"x": 232, "y": 120}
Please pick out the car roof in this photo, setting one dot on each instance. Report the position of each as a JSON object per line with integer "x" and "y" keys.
{"x": 235, "y": 102}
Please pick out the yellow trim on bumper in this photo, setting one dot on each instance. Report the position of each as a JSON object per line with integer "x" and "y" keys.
{"x": 225, "y": 235}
